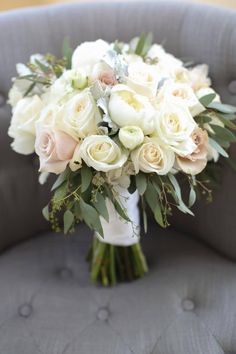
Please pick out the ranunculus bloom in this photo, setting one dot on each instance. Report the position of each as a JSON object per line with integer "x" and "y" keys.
{"x": 131, "y": 136}
{"x": 54, "y": 148}
{"x": 152, "y": 157}
{"x": 102, "y": 153}
{"x": 196, "y": 162}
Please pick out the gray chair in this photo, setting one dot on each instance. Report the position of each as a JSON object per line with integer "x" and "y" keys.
{"x": 187, "y": 302}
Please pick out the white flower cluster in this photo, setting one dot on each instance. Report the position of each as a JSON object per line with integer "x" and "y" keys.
{"x": 117, "y": 113}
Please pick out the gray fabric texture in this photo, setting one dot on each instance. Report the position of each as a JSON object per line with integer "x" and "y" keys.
{"x": 194, "y": 32}
{"x": 184, "y": 305}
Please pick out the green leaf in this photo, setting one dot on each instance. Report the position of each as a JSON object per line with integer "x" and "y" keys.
{"x": 100, "y": 205}
{"x": 29, "y": 89}
{"x": 86, "y": 178}
{"x": 221, "y": 107}
{"x": 68, "y": 219}
{"x": 207, "y": 99}
{"x": 218, "y": 148}
{"x": 140, "y": 44}
{"x": 144, "y": 44}
{"x": 223, "y": 133}
{"x": 228, "y": 123}
{"x": 67, "y": 52}
{"x": 141, "y": 183}
{"x": 45, "y": 212}
{"x": 45, "y": 69}
{"x": 91, "y": 217}
{"x": 62, "y": 177}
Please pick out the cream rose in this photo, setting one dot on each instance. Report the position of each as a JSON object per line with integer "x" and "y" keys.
{"x": 196, "y": 162}
{"x": 102, "y": 153}
{"x": 143, "y": 78}
{"x": 126, "y": 107}
{"x": 131, "y": 136}
{"x": 87, "y": 54}
{"x": 174, "y": 126}
{"x": 182, "y": 93}
{"x": 22, "y": 128}
{"x": 80, "y": 116}
{"x": 54, "y": 148}
{"x": 152, "y": 157}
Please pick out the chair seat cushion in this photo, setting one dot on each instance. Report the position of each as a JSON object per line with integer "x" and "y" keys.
{"x": 185, "y": 304}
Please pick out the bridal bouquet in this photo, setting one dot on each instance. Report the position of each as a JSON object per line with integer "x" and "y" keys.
{"x": 123, "y": 126}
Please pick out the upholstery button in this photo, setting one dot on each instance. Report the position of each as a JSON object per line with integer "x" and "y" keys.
{"x": 25, "y": 310}
{"x": 232, "y": 87}
{"x": 2, "y": 100}
{"x": 66, "y": 273}
{"x": 103, "y": 314}
{"x": 188, "y": 305}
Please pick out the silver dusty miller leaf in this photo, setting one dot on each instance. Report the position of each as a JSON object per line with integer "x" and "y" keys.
{"x": 117, "y": 63}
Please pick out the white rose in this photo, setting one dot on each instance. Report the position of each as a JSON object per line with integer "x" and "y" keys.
{"x": 206, "y": 91}
{"x": 15, "y": 95}
{"x": 182, "y": 93}
{"x": 143, "y": 78}
{"x": 152, "y": 157}
{"x": 102, "y": 153}
{"x": 22, "y": 128}
{"x": 80, "y": 115}
{"x": 87, "y": 54}
{"x": 199, "y": 77}
{"x": 126, "y": 107}
{"x": 174, "y": 127}
{"x": 131, "y": 136}
{"x": 212, "y": 154}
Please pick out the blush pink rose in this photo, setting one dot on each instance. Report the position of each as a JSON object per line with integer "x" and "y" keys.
{"x": 55, "y": 150}
{"x": 195, "y": 162}
{"x": 104, "y": 73}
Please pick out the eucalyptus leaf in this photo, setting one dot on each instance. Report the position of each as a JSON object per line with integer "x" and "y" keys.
{"x": 68, "y": 219}
{"x": 121, "y": 211}
{"x": 91, "y": 217}
{"x": 192, "y": 197}
{"x": 181, "y": 205}
{"x": 218, "y": 148}
{"x": 223, "y": 133}
{"x": 86, "y": 177}
{"x": 141, "y": 182}
{"x": 61, "y": 178}
{"x": 221, "y": 107}
{"x": 207, "y": 99}
{"x": 45, "y": 212}
{"x": 101, "y": 207}
{"x": 60, "y": 192}
{"x": 158, "y": 215}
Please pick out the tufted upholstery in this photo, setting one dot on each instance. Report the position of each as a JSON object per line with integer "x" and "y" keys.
{"x": 186, "y": 304}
